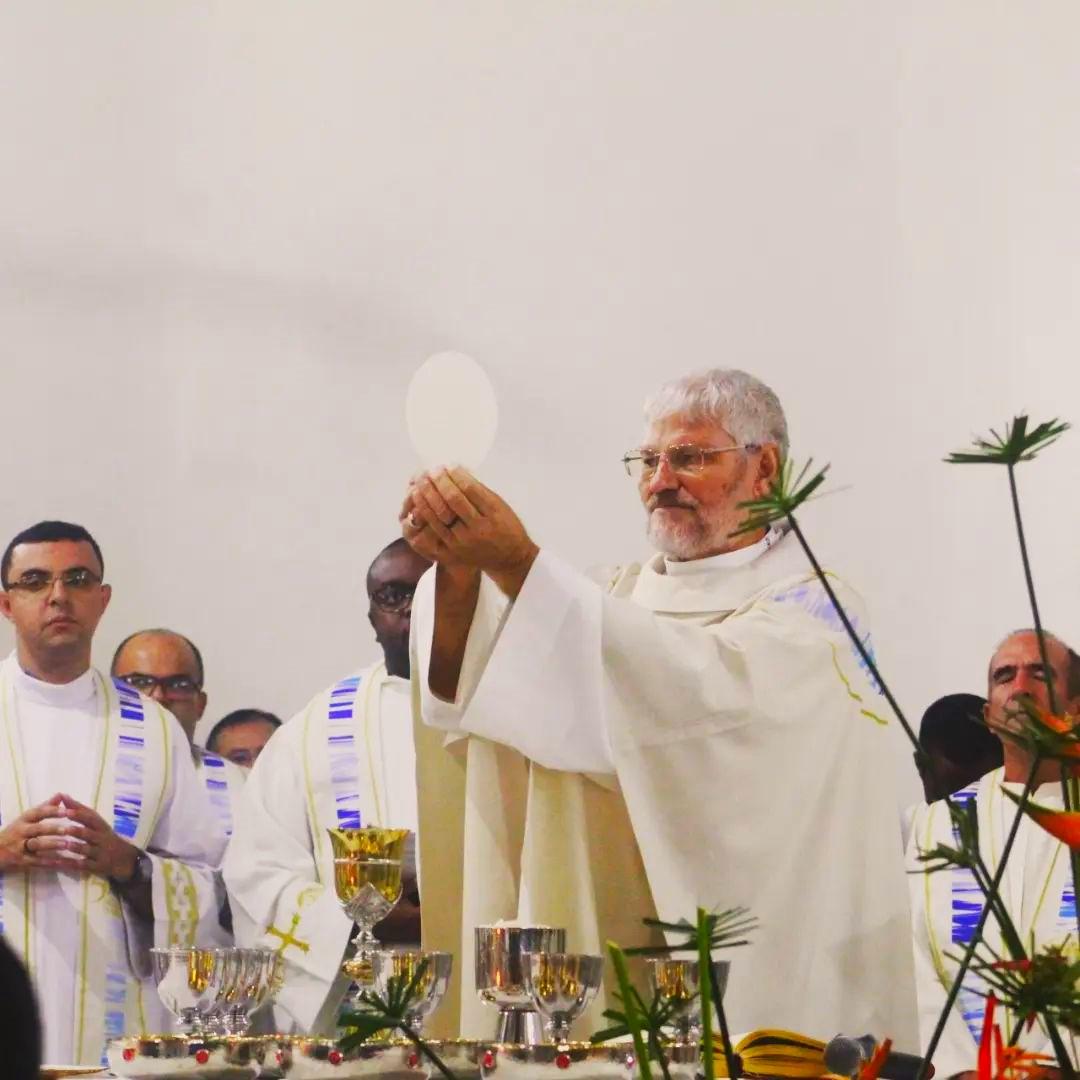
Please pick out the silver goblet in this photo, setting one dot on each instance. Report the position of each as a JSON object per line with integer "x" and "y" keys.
{"x": 678, "y": 981}
{"x": 431, "y": 985}
{"x": 561, "y": 986}
{"x": 258, "y": 978}
{"x": 186, "y": 980}
{"x": 500, "y": 976}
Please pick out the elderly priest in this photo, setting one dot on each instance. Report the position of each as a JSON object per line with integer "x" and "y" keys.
{"x": 692, "y": 731}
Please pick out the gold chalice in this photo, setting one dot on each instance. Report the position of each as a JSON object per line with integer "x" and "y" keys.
{"x": 367, "y": 881}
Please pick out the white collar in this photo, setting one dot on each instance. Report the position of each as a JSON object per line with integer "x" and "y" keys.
{"x": 726, "y": 560}
{"x": 69, "y": 695}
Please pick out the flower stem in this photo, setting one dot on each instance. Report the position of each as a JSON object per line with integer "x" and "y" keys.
{"x": 633, "y": 1019}
{"x": 426, "y": 1050}
{"x": 855, "y": 640}
{"x": 1067, "y": 791}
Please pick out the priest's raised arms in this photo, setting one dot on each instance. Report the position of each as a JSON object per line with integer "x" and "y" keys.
{"x": 692, "y": 730}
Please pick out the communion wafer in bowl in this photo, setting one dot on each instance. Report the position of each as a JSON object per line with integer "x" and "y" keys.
{"x": 172, "y": 1057}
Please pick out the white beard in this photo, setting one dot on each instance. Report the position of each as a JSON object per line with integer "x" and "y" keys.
{"x": 691, "y": 537}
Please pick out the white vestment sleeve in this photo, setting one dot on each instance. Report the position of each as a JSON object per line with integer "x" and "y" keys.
{"x": 277, "y": 899}
{"x": 555, "y": 622}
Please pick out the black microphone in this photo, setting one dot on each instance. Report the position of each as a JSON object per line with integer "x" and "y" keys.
{"x": 846, "y": 1055}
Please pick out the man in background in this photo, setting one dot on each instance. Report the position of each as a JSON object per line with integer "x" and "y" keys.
{"x": 167, "y": 667}
{"x": 1037, "y": 884}
{"x": 108, "y": 842}
{"x": 958, "y": 746}
{"x": 346, "y": 760}
{"x": 240, "y": 736}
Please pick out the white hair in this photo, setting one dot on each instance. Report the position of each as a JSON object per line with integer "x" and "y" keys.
{"x": 743, "y": 406}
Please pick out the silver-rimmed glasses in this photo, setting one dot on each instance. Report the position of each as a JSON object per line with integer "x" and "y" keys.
{"x": 687, "y": 459}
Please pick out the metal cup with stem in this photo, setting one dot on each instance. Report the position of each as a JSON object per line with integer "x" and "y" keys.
{"x": 434, "y": 978}
{"x": 678, "y": 982}
{"x": 561, "y": 986}
{"x": 187, "y": 983}
{"x": 258, "y": 977}
{"x": 367, "y": 880}
{"x": 500, "y": 961}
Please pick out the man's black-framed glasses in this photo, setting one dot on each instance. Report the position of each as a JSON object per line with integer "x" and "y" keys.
{"x": 77, "y": 579}
{"x": 172, "y": 686}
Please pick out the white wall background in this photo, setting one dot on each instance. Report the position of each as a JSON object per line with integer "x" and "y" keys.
{"x": 230, "y": 231}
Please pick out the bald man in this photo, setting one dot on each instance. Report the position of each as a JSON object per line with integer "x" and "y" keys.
{"x": 167, "y": 667}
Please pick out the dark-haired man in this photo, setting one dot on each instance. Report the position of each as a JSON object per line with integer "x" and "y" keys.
{"x": 347, "y": 759}
{"x": 1037, "y": 887}
{"x": 240, "y": 736}
{"x": 107, "y": 841}
{"x": 958, "y": 747}
{"x": 167, "y": 667}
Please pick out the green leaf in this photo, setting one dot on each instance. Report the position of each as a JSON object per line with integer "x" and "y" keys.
{"x": 787, "y": 493}
{"x": 1016, "y": 445}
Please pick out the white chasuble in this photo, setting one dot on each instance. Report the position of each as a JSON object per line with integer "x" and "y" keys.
{"x": 693, "y": 734}
{"x": 343, "y": 761}
{"x": 1037, "y": 889}
{"x": 121, "y": 754}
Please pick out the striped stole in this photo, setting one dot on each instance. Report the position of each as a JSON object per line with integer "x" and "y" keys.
{"x": 342, "y": 753}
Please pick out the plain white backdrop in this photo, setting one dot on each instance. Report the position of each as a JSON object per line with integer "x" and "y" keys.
{"x": 230, "y": 232}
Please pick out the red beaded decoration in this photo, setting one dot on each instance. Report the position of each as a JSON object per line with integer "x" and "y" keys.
{"x": 413, "y": 1060}
{"x": 562, "y": 1061}
{"x": 202, "y": 1056}
{"x": 489, "y": 1059}
{"x": 128, "y": 1054}
{"x": 335, "y": 1057}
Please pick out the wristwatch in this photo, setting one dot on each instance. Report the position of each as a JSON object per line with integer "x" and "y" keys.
{"x": 141, "y": 874}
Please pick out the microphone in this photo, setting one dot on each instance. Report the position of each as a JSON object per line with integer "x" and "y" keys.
{"x": 846, "y": 1055}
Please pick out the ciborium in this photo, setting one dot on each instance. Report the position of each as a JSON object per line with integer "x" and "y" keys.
{"x": 500, "y": 979}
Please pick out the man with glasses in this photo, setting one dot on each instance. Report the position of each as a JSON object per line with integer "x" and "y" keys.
{"x": 107, "y": 839}
{"x": 167, "y": 667}
{"x": 692, "y": 731}
{"x": 346, "y": 760}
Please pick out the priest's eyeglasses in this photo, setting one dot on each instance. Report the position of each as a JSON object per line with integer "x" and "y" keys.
{"x": 393, "y": 598}
{"x": 77, "y": 579}
{"x": 687, "y": 460}
{"x": 172, "y": 686}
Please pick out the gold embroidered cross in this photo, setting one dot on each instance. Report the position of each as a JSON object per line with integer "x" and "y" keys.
{"x": 287, "y": 938}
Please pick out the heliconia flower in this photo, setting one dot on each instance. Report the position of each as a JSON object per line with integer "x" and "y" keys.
{"x": 1012, "y": 1062}
{"x": 1063, "y": 825}
{"x": 874, "y": 1066}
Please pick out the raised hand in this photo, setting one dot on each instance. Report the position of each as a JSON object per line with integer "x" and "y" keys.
{"x": 468, "y": 524}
